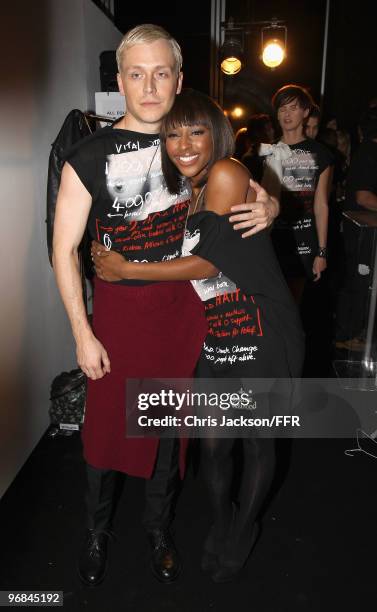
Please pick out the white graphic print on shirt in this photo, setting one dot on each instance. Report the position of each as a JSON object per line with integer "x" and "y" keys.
{"x": 206, "y": 288}
{"x": 300, "y": 171}
{"x": 135, "y": 183}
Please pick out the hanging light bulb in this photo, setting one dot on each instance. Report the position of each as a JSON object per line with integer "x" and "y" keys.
{"x": 273, "y": 53}
{"x": 274, "y": 44}
{"x": 231, "y": 56}
{"x": 231, "y": 65}
{"x": 232, "y": 53}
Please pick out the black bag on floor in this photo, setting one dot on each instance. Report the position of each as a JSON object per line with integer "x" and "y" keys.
{"x": 67, "y": 397}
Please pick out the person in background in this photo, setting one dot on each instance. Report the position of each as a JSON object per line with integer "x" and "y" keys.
{"x": 300, "y": 232}
{"x": 312, "y": 122}
{"x": 241, "y": 143}
{"x": 260, "y": 130}
{"x": 344, "y": 144}
{"x": 361, "y": 194}
{"x": 331, "y": 122}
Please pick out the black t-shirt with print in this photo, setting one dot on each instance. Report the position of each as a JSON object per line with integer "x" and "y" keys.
{"x": 132, "y": 210}
{"x": 254, "y": 326}
{"x": 294, "y": 234}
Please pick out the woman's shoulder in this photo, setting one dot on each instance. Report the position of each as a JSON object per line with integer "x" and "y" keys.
{"x": 228, "y": 170}
{"x": 228, "y": 184}
{"x": 229, "y": 166}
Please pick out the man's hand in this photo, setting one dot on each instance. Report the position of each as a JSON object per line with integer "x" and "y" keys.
{"x": 108, "y": 264}
{"x": 319, "y": 266}
{"x": 92, "y": 357}
{"x": 258, "y": 215}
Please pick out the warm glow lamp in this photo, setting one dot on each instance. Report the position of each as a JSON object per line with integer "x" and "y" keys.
{"x": 273, "y": 53}
{"x": 274, "y": 43}
{"x": 232, "y": 51}
{"x": 237, "y": 112}
{"x": 231, "y": 56}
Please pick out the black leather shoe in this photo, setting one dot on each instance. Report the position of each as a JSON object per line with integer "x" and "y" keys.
{"x": 165, "y": 562}
{"x": 92, "y": 563}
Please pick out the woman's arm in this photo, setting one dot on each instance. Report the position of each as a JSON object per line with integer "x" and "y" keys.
{"x": 367, "y": 199}
{"x": 321, "y": 213}
{"x": 228, "y": 182}
{"x": 112, "y": 266}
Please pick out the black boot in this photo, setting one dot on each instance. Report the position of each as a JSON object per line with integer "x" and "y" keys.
{"x": 92, "y": 563}
{"x": 165, "y": 562}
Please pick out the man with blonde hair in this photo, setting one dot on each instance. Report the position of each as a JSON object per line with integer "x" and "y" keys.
{"x": 112, "y": 183}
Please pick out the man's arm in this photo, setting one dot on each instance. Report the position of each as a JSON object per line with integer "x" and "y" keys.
{"x": 321, "y": 214}
{"x": 367, "y": 199}
{"x": 258, "y": 215}
{"x": 72, "y": 211}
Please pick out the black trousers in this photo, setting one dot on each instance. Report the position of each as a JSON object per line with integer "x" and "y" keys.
{"x": 159, "y": 491}
{"x": 353, "y": 299}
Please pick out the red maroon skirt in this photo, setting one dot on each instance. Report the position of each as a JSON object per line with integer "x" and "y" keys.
{"x": 148, "y": 331}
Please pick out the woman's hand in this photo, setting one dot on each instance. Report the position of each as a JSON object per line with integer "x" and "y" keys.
{"x": 319, "y": 266}
{"x": 258, "y": 215}
{"x": 109, "y": 265}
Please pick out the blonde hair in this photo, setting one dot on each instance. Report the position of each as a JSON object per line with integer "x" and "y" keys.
{"x": 148, "y": 33}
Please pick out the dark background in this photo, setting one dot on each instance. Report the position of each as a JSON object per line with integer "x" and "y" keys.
{"x": 351, "y": 57}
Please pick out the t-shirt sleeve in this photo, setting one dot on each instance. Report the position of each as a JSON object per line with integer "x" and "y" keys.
{"x": 249, "y": 262}
{"x": 83, "y": 164}
{"x": 209, "y": 226}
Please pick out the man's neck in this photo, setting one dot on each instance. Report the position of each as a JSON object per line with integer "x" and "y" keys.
{"x": 293, "y": 137}
{"x": 129, "y": 123}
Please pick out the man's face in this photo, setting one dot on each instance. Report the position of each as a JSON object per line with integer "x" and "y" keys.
{"x": 312, "y": 127}
{"x": 149, "y": 82}
{"x": 291, "y": 116}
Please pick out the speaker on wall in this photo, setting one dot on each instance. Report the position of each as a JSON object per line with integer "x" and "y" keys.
{"x": 108, "y": 71}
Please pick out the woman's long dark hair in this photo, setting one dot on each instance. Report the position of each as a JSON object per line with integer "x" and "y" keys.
{"x": 192, "y": 107}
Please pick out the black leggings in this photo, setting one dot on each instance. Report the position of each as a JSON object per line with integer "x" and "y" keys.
{"x": 217, "y": 463}
{"x": 257, "y": 473}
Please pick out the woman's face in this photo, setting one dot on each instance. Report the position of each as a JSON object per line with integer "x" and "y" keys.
{"x": 342, "y": 143}
{"x": 291, "y": 116}
{"x": 190, "y": 149}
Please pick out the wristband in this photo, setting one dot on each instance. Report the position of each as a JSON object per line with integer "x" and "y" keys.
{"x": 322, "y": 252}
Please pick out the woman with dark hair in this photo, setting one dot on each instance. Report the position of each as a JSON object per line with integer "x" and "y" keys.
{"x": 254, "y": 328}
{"x": 300, "y": 232}
{"x": 260, "y": 130}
